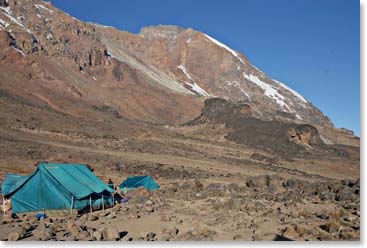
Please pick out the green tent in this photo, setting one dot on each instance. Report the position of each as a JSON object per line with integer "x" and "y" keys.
{"x": 55, "y": 187}
{"x": 133, "y": 182}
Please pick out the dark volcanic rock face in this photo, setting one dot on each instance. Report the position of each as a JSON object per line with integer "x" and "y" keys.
{"x": 285, "y": 139}
{"x": 274, "y": 135}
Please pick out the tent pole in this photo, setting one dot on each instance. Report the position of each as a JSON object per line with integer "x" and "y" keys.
{"x": 4, "y": 213}
{"x": 113, "y": 197}
{"x": 102, "y": 203}
{"x": 90, "y": 203}
{"x": 71, "y": 205}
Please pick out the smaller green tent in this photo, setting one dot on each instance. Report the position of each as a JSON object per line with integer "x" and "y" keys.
{"x": 133, "y": 182}
{"x": 55, "y": 187}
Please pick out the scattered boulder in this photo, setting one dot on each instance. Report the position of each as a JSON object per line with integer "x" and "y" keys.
{"x": 84, "y": 235}
{"x": 149, "y": 203}
{"x": 70, "y": 224}
{"x": 17, "y": 234}
{"x": 6, "y": 220}
{"x": 198, "y": 185}
{"x": 27, "y": 226}
{"x": 92, "y": 217}
{"x": 42, "y": 233}
{"x": 329, "y": 227}
{"x": 149, "y": 209}
{"x": 258, "y": 182}
{"x": 13, "y": 236}
{"x": 112, "y": 215}
{"x": 151, "y": 236}
{"x": 110, "y": 233}
{"x": 102, "y": 214}
{"x": 238, "y": 237}
{"x": 345, "y": 194}
{"x": 71, "y": 238}
{"x": 97, "y": 235}
{"x": 322, "y": 216}
{"x": 234, "y": 203}
{"x": 290, "y": 183}
{"x": 234, "y": 187}
{"x": 173, "y": 232}
{"x": 165, "y": 218}
{"x": 84, "y": 217}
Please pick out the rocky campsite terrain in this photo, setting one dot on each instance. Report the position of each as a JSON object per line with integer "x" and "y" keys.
{"x": 264, "y": 208}
{"x": 238, "y": 155}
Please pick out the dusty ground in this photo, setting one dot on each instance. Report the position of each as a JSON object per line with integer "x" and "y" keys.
{"x": 209, "y": 190}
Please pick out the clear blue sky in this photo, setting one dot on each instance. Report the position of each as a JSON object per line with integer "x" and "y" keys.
{"x": 311, "y": 45}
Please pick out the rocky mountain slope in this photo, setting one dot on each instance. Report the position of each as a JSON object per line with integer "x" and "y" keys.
{"x": 210, "y": 69}
{"x": 161, "y": 75}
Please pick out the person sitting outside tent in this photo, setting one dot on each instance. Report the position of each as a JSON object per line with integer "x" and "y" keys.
{"x": 110, "y": 183}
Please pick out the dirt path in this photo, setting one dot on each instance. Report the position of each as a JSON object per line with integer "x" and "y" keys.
{"x": 205, "y": 164}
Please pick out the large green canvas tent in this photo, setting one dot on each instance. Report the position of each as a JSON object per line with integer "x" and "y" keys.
{"x": 55, "y": 187}
{"x": 133, "y": 182}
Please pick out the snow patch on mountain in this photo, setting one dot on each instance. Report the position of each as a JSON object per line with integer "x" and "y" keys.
{"x": 194, "y": 87}
{"x": 7, "y": 13}
{"x": 161, "y": 78}
{"x": 6, "y": 10}
{"x": 19, "y": 51}
{"x": 39, "y": 6}
{"x": 299, "y": 96}
{"x": 237, "y": 85}
{"x": 269, "y": 91}
{"x": 183, "y": 69}
{"x": 225, "y": 47}
{"x": 258, "y": 69}
{"x": 3, "y": 24}
{"x": 100, "y": 25}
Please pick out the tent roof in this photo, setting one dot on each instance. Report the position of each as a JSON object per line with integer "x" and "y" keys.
{"x": 75, "y": 178}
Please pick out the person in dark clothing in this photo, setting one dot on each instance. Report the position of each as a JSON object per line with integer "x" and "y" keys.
{"x": 110, "y": 183}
